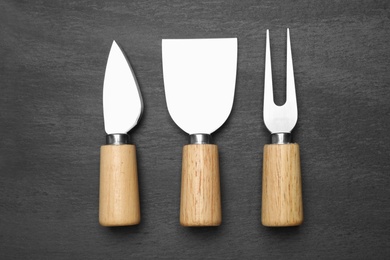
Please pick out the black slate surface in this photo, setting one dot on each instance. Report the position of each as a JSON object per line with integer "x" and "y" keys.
{"x": 53, "y": 57}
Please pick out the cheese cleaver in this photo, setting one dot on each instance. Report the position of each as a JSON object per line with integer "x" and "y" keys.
{"x": 199, "y": 80}
{"x": 122, "y": 107}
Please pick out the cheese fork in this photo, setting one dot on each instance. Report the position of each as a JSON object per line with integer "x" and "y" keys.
{"x": 282, "y": 189}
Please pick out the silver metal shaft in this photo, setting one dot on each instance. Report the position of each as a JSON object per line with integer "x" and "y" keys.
{"x": 200, "y": 139}
{"x": 117, "y": 139}
{"x": 281, "y": 138}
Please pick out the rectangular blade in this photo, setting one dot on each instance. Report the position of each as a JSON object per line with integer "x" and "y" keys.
{"x": 199, "y": 80}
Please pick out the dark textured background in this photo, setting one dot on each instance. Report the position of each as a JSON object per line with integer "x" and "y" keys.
{"x": 53, "y": 57}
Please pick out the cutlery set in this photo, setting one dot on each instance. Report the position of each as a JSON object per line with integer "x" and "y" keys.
{"x": 199, "y": 82}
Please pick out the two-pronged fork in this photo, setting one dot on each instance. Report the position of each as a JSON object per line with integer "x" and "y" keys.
{"x": 282, "y": 190}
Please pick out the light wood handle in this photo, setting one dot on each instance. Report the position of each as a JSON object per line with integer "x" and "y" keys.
{"x": 282, "y": 189}
{"x": 200, "y": 203}
{"x": 119, "y": 195}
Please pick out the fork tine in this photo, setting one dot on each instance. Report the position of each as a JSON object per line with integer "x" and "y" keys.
{"x": 291, "y": 98}
{"x": 268, "y": 90}
{"x": 279, "y": 119}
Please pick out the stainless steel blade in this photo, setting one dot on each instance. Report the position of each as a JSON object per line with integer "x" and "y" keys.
{"x": 199, "y": 80}
{"x": 122, "y": 101}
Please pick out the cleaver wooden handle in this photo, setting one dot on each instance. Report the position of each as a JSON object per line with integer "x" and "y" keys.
{"x": 282, "y": 189}
{"x": 200, "y": 203}
{"x": 119, "y": 196}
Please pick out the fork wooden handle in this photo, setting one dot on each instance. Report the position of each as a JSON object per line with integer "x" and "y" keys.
{"x": 282, "y": 189}
{"x": 200, "y": 203}
{"x": 119, "y": 196}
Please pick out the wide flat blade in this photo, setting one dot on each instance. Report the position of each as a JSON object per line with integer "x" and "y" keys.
{"x": 122, "y": 102}
{"x": 199, "y": 80}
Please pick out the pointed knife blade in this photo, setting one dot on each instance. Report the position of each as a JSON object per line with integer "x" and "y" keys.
{"x": 122, "y": 101}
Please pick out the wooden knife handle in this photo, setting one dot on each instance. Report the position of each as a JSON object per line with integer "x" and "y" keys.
{"x": 119, "y": 196}
{"x": 282, "y": 189}
{"x": 200, "y": 203}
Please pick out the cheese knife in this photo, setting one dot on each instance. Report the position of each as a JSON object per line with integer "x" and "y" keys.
{"x": 122, "y": 107}
{"x": 199, "y": 80}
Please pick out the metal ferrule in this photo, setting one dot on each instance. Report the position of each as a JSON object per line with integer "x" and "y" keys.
{"x": 117, "y": 139}
{"x": 281, "y": 138}
{"x": 200, "y": 139}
